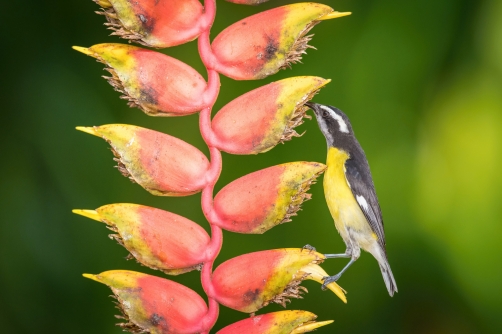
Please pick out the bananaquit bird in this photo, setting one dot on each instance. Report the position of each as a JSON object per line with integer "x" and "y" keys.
{"x": 350, "y": 194}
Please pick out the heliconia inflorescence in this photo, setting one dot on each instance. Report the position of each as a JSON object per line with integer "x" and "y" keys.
{"x": 159, "y": 85}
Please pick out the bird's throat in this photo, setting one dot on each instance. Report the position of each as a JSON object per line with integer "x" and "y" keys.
{"x": 336, "y": 159}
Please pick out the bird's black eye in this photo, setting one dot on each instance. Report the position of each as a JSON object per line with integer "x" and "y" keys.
{"x": 325, "y": 114}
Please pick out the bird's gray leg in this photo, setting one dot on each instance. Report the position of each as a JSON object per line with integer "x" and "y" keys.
{"x": 334, "y": 278}
{"x": 335, "y": 256}
{"x": 347, "y": 254}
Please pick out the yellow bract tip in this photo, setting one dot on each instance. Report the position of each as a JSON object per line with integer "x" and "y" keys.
{"x": 309, "y": 327}
{"x": 316, "y": 273}
{"x": 88, "y": 213}
{"x": 89, "y": 130}
{"x": 334, "y": 15}
{"x": 86, "y": 51}
{"x": 93, "y": 277}
{"x": 325, "y": 82}
{"x": 338, "y": 290}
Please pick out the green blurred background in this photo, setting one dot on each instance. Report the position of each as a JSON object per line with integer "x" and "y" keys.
{"x": 422, "y": 84}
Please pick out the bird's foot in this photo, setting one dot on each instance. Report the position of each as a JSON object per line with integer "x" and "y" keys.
{"x": 329, "y": 279}
{"x": 309, "y": 248}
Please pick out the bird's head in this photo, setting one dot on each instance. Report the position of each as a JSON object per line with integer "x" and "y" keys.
{"x": 332, "y": 121}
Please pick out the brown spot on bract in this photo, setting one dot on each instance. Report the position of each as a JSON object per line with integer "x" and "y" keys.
{"x": 251, "y": 295}
{"x": 271, "y": 48}
{"x": 159, "y": 321}
{"x": 149, "y": 95}
{"x": 148, "y": 23}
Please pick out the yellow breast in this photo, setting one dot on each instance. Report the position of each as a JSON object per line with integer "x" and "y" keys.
{"x": 341, "y": 202}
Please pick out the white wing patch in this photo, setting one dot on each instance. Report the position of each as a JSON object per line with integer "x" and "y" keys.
{"x": 362, "y": 202}
{"x": 341, "y": 123}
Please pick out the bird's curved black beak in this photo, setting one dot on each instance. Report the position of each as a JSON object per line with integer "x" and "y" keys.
{"x": 314, "y": 106}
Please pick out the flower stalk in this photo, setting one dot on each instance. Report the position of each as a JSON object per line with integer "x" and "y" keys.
{"x": 215, "y": 245}
{"x": 166, "y": 166}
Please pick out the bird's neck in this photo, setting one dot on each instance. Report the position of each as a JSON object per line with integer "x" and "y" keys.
{"x": 336, "y": 158}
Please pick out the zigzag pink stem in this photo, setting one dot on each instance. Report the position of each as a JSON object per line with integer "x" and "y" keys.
{"x": 209, "y": 97}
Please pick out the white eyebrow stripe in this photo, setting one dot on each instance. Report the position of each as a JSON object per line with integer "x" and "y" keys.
{"x": 362, "y": 202}
{"x": 341, "y": 123}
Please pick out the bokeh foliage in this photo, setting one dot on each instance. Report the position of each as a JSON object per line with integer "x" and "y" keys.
{"x": 421, "y": 82}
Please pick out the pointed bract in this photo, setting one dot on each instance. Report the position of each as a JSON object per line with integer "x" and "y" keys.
{"x": 154, "y": 82}
{"x": 261, "y": 200}
{"x": 262, "y": 44}
{"x": 282, "y": 322}
{"x": 262, "y": 118}
{"x": 251, "y": 281}
{"x": 162, "y": 164}
{"x": 153, "y": 304}
{"x": 158, "y": 239}
{"x": 154, "y": 23}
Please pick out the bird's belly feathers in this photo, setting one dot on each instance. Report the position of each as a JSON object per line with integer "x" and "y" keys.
{"x": 349, "y": 219}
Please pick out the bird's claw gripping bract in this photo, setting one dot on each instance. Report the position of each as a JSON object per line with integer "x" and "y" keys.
{"x": 253, "y": 123}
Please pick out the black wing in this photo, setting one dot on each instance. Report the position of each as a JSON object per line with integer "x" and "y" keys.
{"x": 358, "y": 175}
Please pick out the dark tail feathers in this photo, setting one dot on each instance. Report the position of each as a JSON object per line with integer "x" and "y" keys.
{"x": 388, "y": 278}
